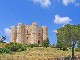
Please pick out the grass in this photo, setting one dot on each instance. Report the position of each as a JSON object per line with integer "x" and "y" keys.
{"x": 37, "y": 53}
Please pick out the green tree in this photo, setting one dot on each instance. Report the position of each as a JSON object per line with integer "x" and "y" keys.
{"x": 46, "y": 43}
{"x": 2, "y": 39}
{"x": 68, "y": 34}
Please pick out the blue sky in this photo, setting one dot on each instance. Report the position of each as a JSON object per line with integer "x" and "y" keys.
{"x": 51, "y": 13}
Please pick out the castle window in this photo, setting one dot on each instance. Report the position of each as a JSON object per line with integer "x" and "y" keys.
{"x": 38, "y": 41}
{"x": 39, "y": 33}
{"x": 27, "y": 32}
{"x": 27, "y": 37}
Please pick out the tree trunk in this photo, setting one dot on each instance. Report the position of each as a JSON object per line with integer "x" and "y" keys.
{"x": 73, "y": 57}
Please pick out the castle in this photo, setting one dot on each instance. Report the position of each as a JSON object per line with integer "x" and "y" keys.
{"x": 30, "y": 34}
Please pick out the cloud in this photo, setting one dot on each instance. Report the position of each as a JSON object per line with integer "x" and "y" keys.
{"x": 61, "y": 20}
{"x": 55, "y": 31}
{"x": 77, "y": 4}
{"x": 6, "y": 41}
{"x": 66, "y": 2}
{"x": 7, "y": 31}
{"x": 43, "y": 3}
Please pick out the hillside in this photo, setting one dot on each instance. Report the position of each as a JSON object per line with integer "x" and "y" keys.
{"x": 37, "y": 53}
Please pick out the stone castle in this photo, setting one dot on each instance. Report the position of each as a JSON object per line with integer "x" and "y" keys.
{"x": 29, "y": 34}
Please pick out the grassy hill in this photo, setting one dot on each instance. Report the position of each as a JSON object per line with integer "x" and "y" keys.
{"x": 37, "y": 53}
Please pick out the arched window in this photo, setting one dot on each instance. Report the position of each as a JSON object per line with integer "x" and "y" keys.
{"x": 38, "y": 41}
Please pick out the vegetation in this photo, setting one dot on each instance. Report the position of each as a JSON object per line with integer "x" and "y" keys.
{"x": 13, "y": 47}
{"x": 69, "y": 35}
{"x": 38, "y": 53}
{"x": 46, "y": 43}
{"x": 16, "y": 47}
{"x": 2, "y": 39}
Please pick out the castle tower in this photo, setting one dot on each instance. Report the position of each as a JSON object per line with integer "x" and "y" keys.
{"x": 45, "y": 32}
{"x": 30, "y": 34}
{"x": 14, "y": 34}
{"x": 20, "y": 33}
{"x": 40, "y": 35}
{"x": 34, "y": 34}
{"x": 27, "y": 34}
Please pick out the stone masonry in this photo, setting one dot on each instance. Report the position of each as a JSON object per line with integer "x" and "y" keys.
{"x": 29, "y": 34}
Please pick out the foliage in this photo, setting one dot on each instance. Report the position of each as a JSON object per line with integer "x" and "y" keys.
{"x": 62, "y": 46}
{"x": 2, "y": 39}
{"x": 77, "y": 49}
{"x": 38, "y": 53}
{"x": 70, "y": 34}
{"x": 46, "y": 43}
{"x": 53, "y": 45}
{"x": 5, "y": 50}
{"x": 16, "y": 47}
{"x": 59, "y": 45}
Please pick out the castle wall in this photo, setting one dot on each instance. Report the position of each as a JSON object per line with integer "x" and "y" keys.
{"x": 29, "y": 34}
{"x": 40, "y": 35}
{"x": 45, "y": 32}
{"x": 34, "y": 34}
{"x": 20, "y": 33}
{"x": 14, "y": 34}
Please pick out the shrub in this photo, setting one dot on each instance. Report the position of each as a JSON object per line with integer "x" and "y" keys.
{"x": 65, "y": 49}
{"x": 16, "y": 47}
{"x": 22, "y": 48}
{"x": 36, "y": 45}
{"x": 12, "y": 46}
{"x": 58, "y": 45}
{"x": 53, "y": 46}
{"x": 5, "y": 50}
{"x": 77, "y": 49}
{"x": 46, "y": 43}
{"x": 63, "y": 46}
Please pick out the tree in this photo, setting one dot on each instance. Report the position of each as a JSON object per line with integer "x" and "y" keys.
{"x": 46, "y": 43}
{"x": 59, "y": 45}
{"x": 2, "y": 39}
{"x": 70, "y": 35}
{"x": 78, "y": 35}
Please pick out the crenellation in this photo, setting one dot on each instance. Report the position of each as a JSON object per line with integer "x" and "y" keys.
{"x": 29, "y": 34}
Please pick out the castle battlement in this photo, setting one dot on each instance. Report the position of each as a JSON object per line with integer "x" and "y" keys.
{"x": 29, "y": 34}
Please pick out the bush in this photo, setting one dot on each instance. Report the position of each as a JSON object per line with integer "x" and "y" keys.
{"x": 77, "y": 49}
{"x": 58, "y": 45}
{"x": 16, "y": 47}
{"x": 5, "y": 50}
{"x": 22, "y": 48}
{"x": 34, "y": 45}
{"x": 46, "y": 43}
{"x": 53, "y": 46}
{"x": 65, "y": 49}
{"x": 63, "y": 46}
{"x": 13, "y": 47}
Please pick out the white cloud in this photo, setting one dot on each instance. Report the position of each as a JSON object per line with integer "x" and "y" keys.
{"x": 66, "y": 2}
{"x": 61, "y": 20}
{"x": 7, "y": 31}
{"x": 6, "y": 41}
{"x": 43, "y": 3}
{"x": 77, "y": 4}
{"x": 55, "y": 31}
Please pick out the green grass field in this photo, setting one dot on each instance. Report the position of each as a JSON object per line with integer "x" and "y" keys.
{"x": 37, "y": 53}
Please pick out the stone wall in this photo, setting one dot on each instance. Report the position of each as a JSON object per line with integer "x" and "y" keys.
{"x": 29, "y": 34}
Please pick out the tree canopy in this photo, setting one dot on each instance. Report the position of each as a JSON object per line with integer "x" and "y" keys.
{"x": 69, "y": 34}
